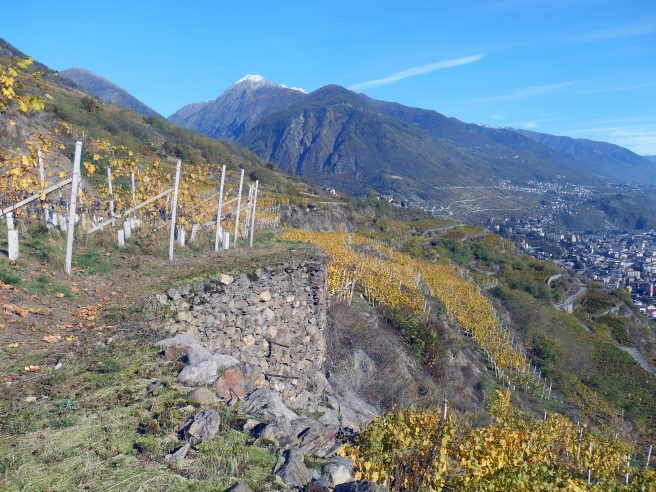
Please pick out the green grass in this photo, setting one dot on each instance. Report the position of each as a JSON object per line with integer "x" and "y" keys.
{"x": 99, "y": 430}
{"x": 9, "y": 275}
{"x": 45, "y": 285}
{"x": 92, "y": 262}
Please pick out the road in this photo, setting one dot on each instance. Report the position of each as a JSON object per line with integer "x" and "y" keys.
{"x": 637, "y": 356}
{"x": 568, "y": 304}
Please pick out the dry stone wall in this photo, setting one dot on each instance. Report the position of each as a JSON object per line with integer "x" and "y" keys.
{"x": 274, "y": 320}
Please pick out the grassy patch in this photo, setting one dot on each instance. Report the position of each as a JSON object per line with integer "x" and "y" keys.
{"x": 92, "y": 262}
{"x": 48, "y": 286}
{"x": 9, "y": 275}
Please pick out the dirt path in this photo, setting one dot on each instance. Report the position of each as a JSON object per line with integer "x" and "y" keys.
{"x": 637, "y": 356}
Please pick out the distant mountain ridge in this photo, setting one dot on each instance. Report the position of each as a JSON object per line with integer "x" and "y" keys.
{"x": 353, "y": 142}
{"x": 106, "y": 91}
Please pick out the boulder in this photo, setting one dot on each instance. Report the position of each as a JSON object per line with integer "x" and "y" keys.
{"x": 336, "y": 474}
{"x": 202, "y": 427}
{"x": 181, "y": 346}
{"x": 266, "y": 404}
{"x": 294, "y": 472}
{"x": 179, "y": 454}
{"x": 196, "y": 374}
{"x": 202, "y": 396}
{"x": 361, "y": 486}
{"x": 265, "y": 296}
{"x": 239, "y": 487}
{"x": 237, "y": 382}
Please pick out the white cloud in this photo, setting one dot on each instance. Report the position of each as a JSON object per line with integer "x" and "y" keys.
{"x": 619, "y": 32}
{"x": 530, "y": 125}
{"x": 497, "y": 117}
{"x": 522, "y": 92}
{"x": 412, "y": 72}
{"x": 640, "y": 138}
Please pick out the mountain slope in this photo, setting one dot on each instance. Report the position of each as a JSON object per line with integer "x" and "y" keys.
{"x": 340, "y": 138}
{"x": 235, "y": 111}
{"x": 600, "y": 158}
{"x": 106, "y": 91}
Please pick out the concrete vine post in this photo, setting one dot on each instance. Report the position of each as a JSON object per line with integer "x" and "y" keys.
{"x": 174, "y": 208}
{"x": 241, "y": 186}
{"x": 42, "y": 178}
{"x": 75, "y": 185}
{"x": 218, "y": 233}
{"x": 134, "y": 190}
{"x": 111, "y": 193}
{"x": 253, "y": 212}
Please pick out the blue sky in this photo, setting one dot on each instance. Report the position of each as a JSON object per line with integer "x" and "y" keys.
{"x": 582, "y": 68}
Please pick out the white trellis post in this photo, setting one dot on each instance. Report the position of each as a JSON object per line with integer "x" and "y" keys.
{"x": 111, "y": 193}
{"x": 218, "y": 233}
{"x": 174, "y": 208}
{"x": 12, "y": 237}
{"x": 253, "y": 212}
{"x": 134, "y": 189}
{"x": 241, "y": 186}
{"x": 249, "y": 203}
{"x": 42, "y": 178}
{"x": 73, "y": 207}
{"x": 648, "y": 457}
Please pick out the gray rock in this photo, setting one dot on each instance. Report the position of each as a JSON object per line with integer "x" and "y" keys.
{"x": 265, "y": 296}
{"x": 196, "y": 374}
{"x": 336, "y": 474}
{"x": 239, "y": 487}
{"x": 179, "y": 454}
{"x": 226, "y": 279}
{"x": 264, "y": 403}
{"x": 202, "y": 396}
{"x": 202, "y": 427}
{"x": 294, "y": 472}
{"x": 173, "y": 294}
{"x": 224, "y": 361}
{"x": 361, "y": 486}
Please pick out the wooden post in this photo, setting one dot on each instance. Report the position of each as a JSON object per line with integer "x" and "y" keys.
{"x": 121, "y": 238}
{"x": 181, "y": 236}
{"x": 73, "y": 207}
{"x": 111, "y": 193}
{"x": 174, "y": 207}
{"x": 241, "y": 186}
{"x": 648, "y": 457}
{"x": 218, "y": 232}
{"x": 257, "y": 183}
{"x": 194, "y": 232}
{"x": 226, "y": 240}
{"x": 127, "y": 230}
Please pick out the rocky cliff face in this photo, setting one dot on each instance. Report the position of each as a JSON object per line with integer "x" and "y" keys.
{"x": 237, "y": 110}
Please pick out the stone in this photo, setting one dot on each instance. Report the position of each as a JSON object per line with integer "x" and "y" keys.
{"x": 294, "y": 472}
{"x": 179, "y": 454}
{"x": 179, "y": 346}
{"x": 185, "y": 316}
{"x": 202, "y": 396}
{"x": 162, "y": 299}
{"x": 239, "y": 487}
{"x": 224, "y": 361}
{"x": 269, "y": 314}
{"x": 196, "y": 374}
{"x": 248, "y": 341}
{"x": 202, "y": 427}
{"x": 30, "y": 399}
{"x": 250, "y": 424}
{"x": 361, "y": 486}
{"x": 336, "y": 474}
{"x": 231, "y": 385}
{"x": 265, "y": 296}
{"x": 173, "y": 294}
{"x": 226, "y": 279}
{"x": 152, "y": 387}
{"x": 264, "y": 403}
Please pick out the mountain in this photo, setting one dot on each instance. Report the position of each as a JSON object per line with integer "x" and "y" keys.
{"x": 237, "y": 110}
{"x": 106, "y": 91}
{"x": 651, "y": 158}
{"x": 601, "y": 158}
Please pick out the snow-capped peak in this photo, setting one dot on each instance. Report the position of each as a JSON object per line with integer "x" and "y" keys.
{"x": 257, "y": 80}
{"x": 253, "y": 79}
